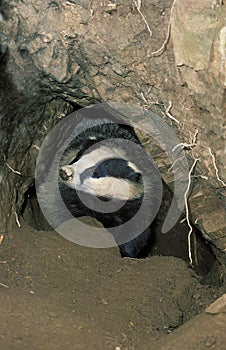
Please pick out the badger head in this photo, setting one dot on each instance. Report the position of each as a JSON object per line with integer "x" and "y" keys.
{"x": 104, "y": 174}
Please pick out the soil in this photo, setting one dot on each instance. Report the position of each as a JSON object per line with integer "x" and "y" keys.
{"x": 58, "y": 295}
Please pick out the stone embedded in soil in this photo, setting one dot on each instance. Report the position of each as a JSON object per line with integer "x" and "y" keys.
{"x": 217, "y": 306}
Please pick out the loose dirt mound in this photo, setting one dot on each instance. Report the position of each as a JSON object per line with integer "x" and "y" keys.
{"x": 61, "y": 295}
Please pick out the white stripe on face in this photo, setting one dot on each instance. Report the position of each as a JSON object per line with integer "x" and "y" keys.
{"x": 108, "y": 186}
{"x": 87, "y": 161}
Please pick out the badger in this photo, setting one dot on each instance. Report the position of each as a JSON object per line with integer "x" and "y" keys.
{"x": 103, "y": 172}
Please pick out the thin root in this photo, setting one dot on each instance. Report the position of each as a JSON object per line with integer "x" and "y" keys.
{"x": 17, "y": 220}
{"x": 187, "y": 210}
{"x": 138, "y": 6}
{"x": 163, "y": 47}
{"x": 175, "y": 162}
{"x": 190, "y": 145}
{"x": 14, "y": 171}
{"x": 1, "y": 239}
{"x": 169, "y": 114}
{"x": 36, "y": 147}
{"x": 216, "y": 168}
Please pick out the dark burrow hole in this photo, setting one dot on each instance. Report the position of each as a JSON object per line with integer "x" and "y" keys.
{"x": 174, "y": 243}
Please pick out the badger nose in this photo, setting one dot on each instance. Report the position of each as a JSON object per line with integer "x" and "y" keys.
{"x": 66, "y": 173}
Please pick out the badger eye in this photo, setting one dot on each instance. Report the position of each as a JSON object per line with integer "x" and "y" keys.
{"x": 95, "y": 174}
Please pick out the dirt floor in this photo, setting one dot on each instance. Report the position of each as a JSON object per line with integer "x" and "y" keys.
{"x": 57, "y": 295}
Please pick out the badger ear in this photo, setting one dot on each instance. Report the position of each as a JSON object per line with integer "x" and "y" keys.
{"x": 133, "y": 173}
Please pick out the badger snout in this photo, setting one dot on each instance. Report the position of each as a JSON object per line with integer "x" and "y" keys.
{"x": 66, "y": 173}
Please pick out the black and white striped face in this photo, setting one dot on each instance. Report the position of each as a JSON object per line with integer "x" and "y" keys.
{"x": 104, "y": 173}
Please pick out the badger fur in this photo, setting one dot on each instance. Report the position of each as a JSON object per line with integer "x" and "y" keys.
{"x": 96, "y": 168}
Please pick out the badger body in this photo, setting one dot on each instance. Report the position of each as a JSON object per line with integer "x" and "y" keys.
{"x": 96, "y": 169}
